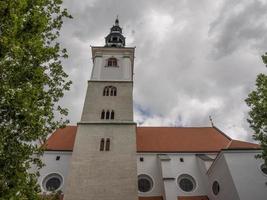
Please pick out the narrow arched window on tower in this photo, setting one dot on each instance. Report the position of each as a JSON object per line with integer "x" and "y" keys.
{"x": 103, "y": 114}
{"x": 113, "y": 91}
{"x": 112, "y": 115}
{"x": 102, "y": 144}
{"x": 107, "y": 114}
{"x": 112, "y": 62}
{"x": 110, "y": 91}
{"x": 107, "y": 144}
{"x": 105, "y": 91}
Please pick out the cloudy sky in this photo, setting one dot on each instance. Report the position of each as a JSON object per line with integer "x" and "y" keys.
{"x": 193, "y": 58}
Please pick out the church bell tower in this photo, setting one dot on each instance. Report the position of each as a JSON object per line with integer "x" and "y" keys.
{"x": 103, "y": 165}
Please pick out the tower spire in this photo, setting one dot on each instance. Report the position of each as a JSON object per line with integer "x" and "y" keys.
{"x": 115, "y": 37}
{"x": 117, "y": 21}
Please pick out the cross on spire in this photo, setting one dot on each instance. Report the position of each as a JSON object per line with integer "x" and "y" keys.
{"x": 117, "y": 21}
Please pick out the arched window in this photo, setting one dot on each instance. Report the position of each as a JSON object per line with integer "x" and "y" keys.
{"x": 103, "y": 114}
{"x": 107, "y": 144}
{"x": 102, "y": 144}
{"x": 110, "y": 91}
{"x": 106, "y": 91}
{"x": 112, "y": 62}
{"x": 107, "y": 114}
{"x": 113, "y": 91}
{"x": 112, "y": 115}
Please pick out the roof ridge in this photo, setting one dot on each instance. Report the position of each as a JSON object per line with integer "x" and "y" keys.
{"x": 221, "y": 132}
{"x": 229, "y": 144}
{"x": 234, "y": 140}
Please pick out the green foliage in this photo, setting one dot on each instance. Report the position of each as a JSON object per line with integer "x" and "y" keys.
{"x": 52, "y": 196}
{"x": 257, "y": 101}
{"x": 32, "y": 81}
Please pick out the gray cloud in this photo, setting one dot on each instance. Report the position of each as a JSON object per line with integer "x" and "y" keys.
{"x": 193, "y": 58}
{"x": 239, "y": 24}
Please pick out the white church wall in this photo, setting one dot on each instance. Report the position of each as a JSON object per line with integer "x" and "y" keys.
{"x": 150, "y": 167}
{"x": 249, "y": 180}
{"x": 122, "y": 72}
{"x": 52, "y": 166}
{"x": 96, "y": 71}
{"x": 238, "y": 174}
{"x": 188, "y": 166}
{"x": 112, "y": 73}
{"x": 219, "y": 172}
{"x": 203, "y": 168}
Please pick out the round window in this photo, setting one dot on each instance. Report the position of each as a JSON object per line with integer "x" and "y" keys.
{"x": 145, "y": 183}
{"x": 52, "y": 182}
{"x": 264, "y": 169}
{"x": 186, "y": 182}
{"x": 215, "y": 188}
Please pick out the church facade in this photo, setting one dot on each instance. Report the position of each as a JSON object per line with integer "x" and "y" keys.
{"x": 107, "y": 157}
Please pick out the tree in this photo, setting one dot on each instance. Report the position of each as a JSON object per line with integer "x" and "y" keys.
{"x": 257, "y": 101}
{"x": 32, "y": 82}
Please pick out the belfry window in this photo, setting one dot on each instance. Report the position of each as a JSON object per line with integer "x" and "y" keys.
{"x": 102, "y": 144}
{"x": 103, "y": 114}
{"x": 110, "y": 91}
{"x": 112, "y": 62}
{"x": 107, "y": 114}
{"x": 106, "y": 91}
{"x": 107, "y": 144}
{"x": 112, "y": 115}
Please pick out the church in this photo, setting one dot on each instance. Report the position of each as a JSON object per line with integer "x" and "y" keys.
{"x": 108, "y": 157}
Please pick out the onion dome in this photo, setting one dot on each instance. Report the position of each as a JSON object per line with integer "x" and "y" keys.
{"x": 115, "y": 37}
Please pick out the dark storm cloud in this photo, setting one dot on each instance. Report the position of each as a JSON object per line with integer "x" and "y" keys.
{"x": 193, "y": 58}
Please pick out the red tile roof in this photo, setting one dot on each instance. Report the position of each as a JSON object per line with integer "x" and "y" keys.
{"x": 62, "y": 139}
{"x": 180, "y": 139}
{"x": 193, "y": 198}
{"x": 161, "y": 139}
{"x": 236, "y": 144}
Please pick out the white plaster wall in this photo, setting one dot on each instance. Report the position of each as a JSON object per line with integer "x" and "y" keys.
{"x": 238, "y": 174}
{"x": 189, "y": 166}
{"x": 249, "y": 180}
{"x": 122, "y": 72}
{"x": 150, "y": 166}
{"x": 55, "y": 166}
{"x": 173, "y": 168}
{"x": 203, "y": 168}
{"x": 219, "y": 172}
